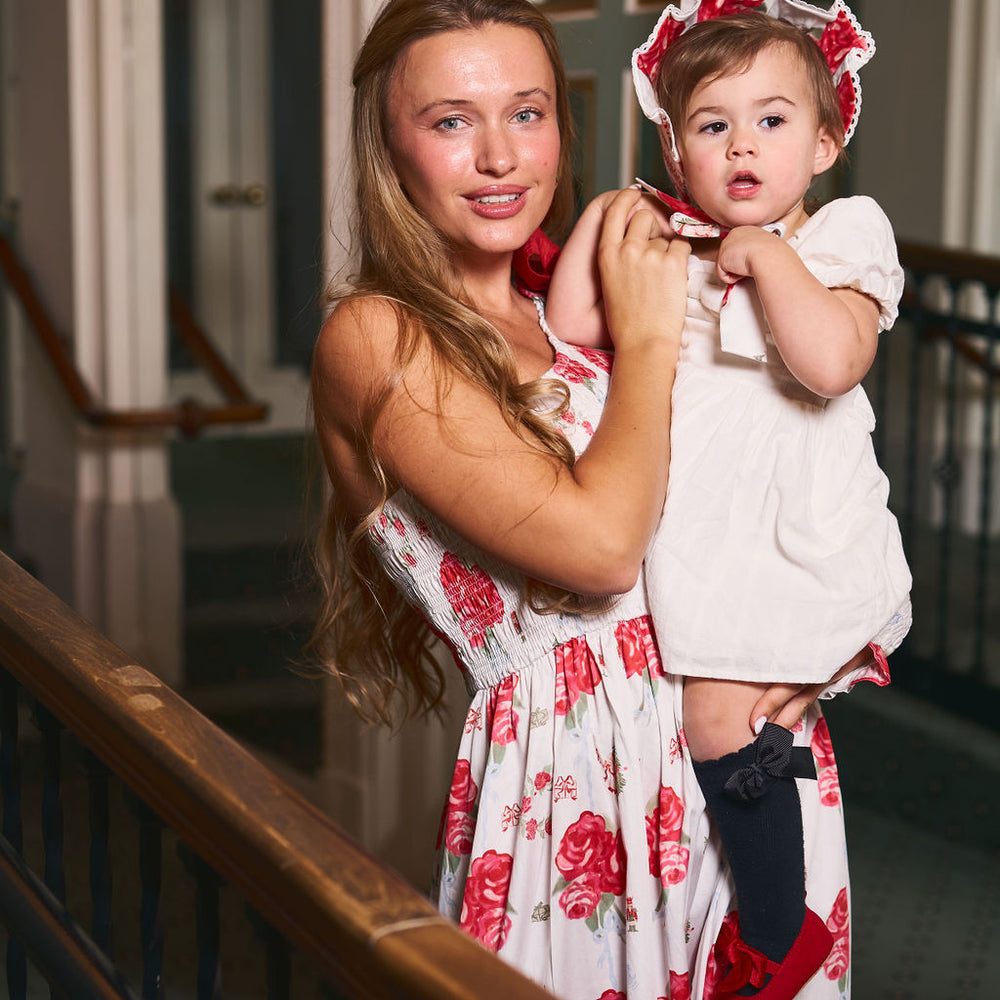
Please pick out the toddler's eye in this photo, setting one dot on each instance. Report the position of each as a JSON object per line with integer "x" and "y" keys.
{"x": 773, "y": 121}
{"x": 714, "y": 128}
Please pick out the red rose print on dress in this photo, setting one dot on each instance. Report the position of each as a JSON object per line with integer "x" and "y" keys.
{"x": 577, "y": 673}
{"x": 584, "y": 847}
{"x": 822, "y": 745}
{"x": 459, "y": 833}
{"x": 612, "y": 995}
{"x": 663, "y": 830}
{"x": 580, "y": 898}
{"x": 572, "y": 371}
{"x": 826, "y": 765}
{"x": 459, "y": 823}
{"x": 673, "y": 864}
{"x": 599, "y": 359}
{"x": 680, "y": 986}
{"x": 489, "y": 927}
{"x": 829, "y": 787}
{"x": 671, "y": 808}
{"x": 591, "y": 860}
{"x": 464, "y": 790}
{"x": 838, "y": 924}
{"x": 503, "y": 724}
{"x": 484, "y": 904}
{"x": 637, "y": 647}
{"x": 473, "y": 596}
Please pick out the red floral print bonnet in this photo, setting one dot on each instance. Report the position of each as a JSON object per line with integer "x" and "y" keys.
{"x": 844, "y": 43}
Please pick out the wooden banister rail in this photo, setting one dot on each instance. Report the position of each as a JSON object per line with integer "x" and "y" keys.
{"x": 956, "y": 267}
{"x": 189, "y": 416}
{"x": 368, "y": 930}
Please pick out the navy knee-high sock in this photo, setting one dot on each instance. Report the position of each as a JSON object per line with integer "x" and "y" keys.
{"x": 762, "y": 838}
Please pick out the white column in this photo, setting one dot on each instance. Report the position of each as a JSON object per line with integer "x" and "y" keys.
{"x": 93, "y": 510}
{"x": 972, "y": 128}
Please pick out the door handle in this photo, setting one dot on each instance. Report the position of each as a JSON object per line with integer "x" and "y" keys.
{"x": 234, "y": 196}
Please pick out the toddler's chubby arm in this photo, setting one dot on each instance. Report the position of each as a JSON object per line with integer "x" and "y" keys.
{"x": 574, "y": 305}
{"x": 826, "y": 336}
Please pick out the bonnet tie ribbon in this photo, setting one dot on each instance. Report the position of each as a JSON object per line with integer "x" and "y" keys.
{"x": 775, "y": 758}
{"x": 743, "y": 326}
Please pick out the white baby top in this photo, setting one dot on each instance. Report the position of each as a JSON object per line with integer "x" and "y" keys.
{"x": 776, "y": 558}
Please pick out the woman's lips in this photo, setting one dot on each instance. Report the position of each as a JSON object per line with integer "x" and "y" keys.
{"x": 497, "y": 204}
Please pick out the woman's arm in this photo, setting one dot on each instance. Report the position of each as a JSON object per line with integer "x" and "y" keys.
{"x": 584, "y": 529}
{"x": 826, "y": 336}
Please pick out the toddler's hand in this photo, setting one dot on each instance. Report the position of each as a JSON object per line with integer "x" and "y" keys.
{"x": 744, "y": 249}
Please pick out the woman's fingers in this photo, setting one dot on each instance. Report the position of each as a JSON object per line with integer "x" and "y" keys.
{"x": 785, "y": 704}
{"x": 616, "y": 218}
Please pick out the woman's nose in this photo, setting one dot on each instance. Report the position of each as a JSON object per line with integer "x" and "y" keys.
{"x": 496, "y": 154}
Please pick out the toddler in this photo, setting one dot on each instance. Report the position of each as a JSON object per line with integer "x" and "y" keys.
{"x": 776, "y": 559}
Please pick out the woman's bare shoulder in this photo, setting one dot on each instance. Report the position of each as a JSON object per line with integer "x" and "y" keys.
{"x": 359, "y": 326}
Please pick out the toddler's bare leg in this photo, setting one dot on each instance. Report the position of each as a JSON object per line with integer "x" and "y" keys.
{"x": 716, "y": 715}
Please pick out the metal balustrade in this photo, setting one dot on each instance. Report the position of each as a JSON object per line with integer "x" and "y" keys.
{"x": 934, "y": 389}
{"x": 205, "y": 821}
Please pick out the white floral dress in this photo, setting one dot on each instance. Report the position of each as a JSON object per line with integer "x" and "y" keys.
{"x": 575, "y": 841}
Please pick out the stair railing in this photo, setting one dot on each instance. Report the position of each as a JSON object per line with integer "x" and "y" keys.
{"x": 935, "y": 389}
{"x": 189, "y": 416}
{"x": 369, "y": 933}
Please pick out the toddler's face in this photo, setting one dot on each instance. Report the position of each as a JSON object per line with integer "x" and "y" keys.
{"x": 750, "y": 144}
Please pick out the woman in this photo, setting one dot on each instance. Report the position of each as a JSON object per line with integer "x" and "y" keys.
{"x": 490, "y": 473}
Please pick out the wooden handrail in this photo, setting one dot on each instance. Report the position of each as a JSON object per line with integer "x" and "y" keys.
{"x": 925, "y": 260}
{"x": 959, "y": 265}
{"x": 363, "y": 925}
{"x": 189, "y": 416}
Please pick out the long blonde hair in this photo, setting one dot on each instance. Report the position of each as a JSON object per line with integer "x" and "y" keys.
{"x": 366, "y": 634}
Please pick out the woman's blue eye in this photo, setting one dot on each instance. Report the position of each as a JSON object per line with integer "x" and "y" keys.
{"x": 525, "y": 116}
{"x": 449, "y": 124}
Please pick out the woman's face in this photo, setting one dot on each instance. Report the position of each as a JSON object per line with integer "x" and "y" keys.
{"x": 474, "y": 135}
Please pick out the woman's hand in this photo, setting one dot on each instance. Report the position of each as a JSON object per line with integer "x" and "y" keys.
{"x": 643, "y": 275}
{"x": 785, "y": 704}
